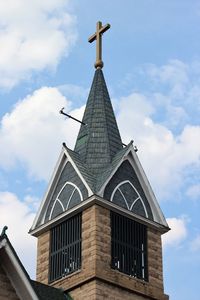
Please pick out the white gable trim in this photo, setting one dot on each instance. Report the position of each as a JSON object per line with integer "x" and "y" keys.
{"x": 156, "y": 211}
{"x": 62, "y": 160}
{"x": 16, "y": 273}
{"x": 52, "y": 183}
{"x": 90, "y": 193}
{"x": 155, "y": 208}
{"x": 95, "y": 199}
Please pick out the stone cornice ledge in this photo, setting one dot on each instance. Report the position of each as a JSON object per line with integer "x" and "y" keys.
{"x": 92, "y": 200}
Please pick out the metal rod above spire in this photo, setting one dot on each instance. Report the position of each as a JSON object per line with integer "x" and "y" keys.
{"x": 98, "y": 37}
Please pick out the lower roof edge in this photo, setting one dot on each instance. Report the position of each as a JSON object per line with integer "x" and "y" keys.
{"x": 92, "y": 200}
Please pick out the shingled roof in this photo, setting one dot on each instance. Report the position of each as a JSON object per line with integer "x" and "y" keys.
{"x": 99, "y": 140}
{"x": 95, "y": 182}
{"x": 46, "y": 292}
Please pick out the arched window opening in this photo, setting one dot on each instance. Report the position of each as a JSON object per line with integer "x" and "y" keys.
{"x": 69, "y": 196}
{"x": 127, "y": 196}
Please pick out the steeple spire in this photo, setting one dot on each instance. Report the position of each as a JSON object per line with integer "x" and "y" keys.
{"x": 99, "y": 140}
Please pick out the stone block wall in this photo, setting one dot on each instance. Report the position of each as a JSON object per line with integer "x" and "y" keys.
{"x": 96, "y": 273}
{"x": 43, "y": 245}
{"x": 97, "y": 290}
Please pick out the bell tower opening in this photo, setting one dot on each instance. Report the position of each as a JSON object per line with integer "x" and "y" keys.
{"x": 65, "y": 248}
{"x": 129, "y": 246}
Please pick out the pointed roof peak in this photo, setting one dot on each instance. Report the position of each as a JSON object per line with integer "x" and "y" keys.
{"x": 99, "y": 140}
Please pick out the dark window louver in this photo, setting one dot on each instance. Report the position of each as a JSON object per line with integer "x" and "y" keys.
{"x": 65, "y": 249}
{"x": 129, "y": 246}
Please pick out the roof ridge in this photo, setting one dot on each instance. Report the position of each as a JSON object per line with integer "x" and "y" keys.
{"x": 95, "y": 85}
{"x": 107, "y": 132}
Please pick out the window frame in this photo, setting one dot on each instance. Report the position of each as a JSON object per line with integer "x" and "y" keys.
{"x": 129, "y": 253}
{"x": 65, "y": 248}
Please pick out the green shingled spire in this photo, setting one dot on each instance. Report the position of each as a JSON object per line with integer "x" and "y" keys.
{"x": 99, "y": 140}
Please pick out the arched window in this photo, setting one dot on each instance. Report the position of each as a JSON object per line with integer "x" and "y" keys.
{"x": 127, "y": 196}
{"x": 69, "y": 196}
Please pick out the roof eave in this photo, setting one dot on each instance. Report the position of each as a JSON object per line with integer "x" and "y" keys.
{"x": 15, "y": 271}
{"x": 95, "y": 199}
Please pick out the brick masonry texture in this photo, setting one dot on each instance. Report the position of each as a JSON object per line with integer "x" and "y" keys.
{"x": 97, "y": 290}
{"x": 6, "y": 289}
{"x": 43, "y": 258}
{"x": 96, "y": 261}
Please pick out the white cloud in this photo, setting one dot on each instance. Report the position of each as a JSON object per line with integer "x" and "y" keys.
{"x": 195, "y": 244}
{"x": 32, "y": 202}
{"x": 177, "y": 234}
{"x": 174, "y": 73}
{"x": 33, "y": 132}
{"x": 164, "y": 154}
{"x": 18, "y": 217}
{"x": 34, "y": 35}
{"x": 173, "y": 91}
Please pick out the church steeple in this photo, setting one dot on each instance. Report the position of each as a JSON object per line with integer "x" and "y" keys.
{"x": 99, "y": 140}
{"x": 99, "y": 164}
{"x": 99, "y": 226}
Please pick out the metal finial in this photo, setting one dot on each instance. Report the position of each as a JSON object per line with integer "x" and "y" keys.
{"x": 98, "y": 37}
{"x": 3, "y": 233}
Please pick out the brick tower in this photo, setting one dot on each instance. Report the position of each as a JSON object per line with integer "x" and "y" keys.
{"x": 99, "y": 225}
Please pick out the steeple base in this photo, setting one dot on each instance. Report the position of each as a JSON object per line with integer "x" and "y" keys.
{"x": 96, "y": 279}
{"x": 100, "y": 290}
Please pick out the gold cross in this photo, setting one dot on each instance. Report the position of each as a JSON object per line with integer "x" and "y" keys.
{"x": 98, "y": 36}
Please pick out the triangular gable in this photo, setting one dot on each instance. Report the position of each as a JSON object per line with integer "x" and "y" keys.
{"x": 131, "y": 156}
{"x": 83, "y": 169}
{"x": 63, "y": 159}
{"x": 102, "y": 180}
{"x": 15, "y": 272}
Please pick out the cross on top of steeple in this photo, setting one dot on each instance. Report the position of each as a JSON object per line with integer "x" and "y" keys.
{"x": 98, "y": 37}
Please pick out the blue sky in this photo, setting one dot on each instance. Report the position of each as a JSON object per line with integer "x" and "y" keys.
{"x": 152, "y": 69}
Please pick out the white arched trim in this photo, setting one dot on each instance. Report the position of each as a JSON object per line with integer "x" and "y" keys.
{"x": 57, "y": 198}
{"x": 123, "y": 197}
{"x": 138, "y": 194}
{"x": 121, "y": 183}
{"x": 75, "y": 186}
{"x": 70, "y": 197}
{"x": 139, "y": 199}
